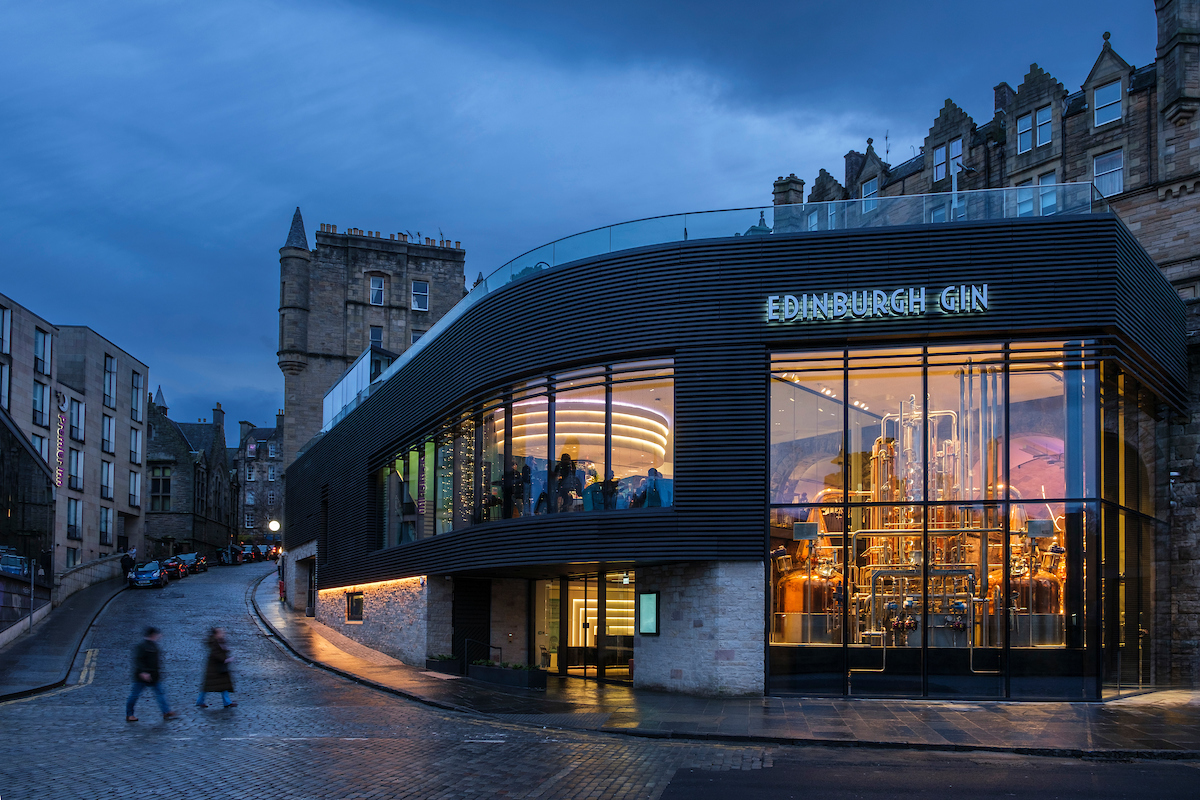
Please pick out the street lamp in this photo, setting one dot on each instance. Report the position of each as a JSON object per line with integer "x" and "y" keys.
{"x": 273, "y": 525}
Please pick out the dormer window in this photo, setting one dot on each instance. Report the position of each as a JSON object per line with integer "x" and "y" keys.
{"x": 1107, "y": 100}
{"x": 870, "y": 194}
{"x": 1038, "y": 122}
{"x": 1045, "y": 131}
{"x": 946, "y": 156}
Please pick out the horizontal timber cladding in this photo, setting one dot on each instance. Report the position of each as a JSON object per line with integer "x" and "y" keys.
{"x": 704, "y": 304}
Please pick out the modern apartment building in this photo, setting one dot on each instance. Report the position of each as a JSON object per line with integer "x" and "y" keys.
{"x": 81, "y": 400}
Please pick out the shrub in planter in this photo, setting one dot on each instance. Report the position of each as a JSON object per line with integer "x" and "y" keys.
{"x": 448, "y": 665}
{"x": 505, "y": 674}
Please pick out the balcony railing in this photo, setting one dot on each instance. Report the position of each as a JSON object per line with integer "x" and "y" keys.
{"x": 800, "y": 218}
{"x": 75, "y": 482}
{"x": 106, "y": 492}
{"x": 135, "y": 501}
{"x": 73, "y": 532}
{"x": 135, "y": 457}
{"x": 76, "y": 433}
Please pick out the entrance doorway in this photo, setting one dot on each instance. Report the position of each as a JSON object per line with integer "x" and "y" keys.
{"x": 589, "y": 632}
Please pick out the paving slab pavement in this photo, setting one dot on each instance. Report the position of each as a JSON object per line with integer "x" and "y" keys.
{"x": 41, "y": 660}
{"x": 1162, "y": 724}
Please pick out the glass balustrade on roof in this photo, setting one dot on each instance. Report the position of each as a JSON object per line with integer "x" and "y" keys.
{"x": 799, "y": 218}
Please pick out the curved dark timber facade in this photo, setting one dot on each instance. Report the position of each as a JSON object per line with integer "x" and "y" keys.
{"x": 919, "y": 593}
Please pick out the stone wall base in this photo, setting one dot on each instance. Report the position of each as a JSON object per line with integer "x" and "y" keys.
{"x": 711, "y": 632}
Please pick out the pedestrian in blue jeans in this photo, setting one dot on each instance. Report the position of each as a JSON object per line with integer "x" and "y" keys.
{"x": 146, "y": 674}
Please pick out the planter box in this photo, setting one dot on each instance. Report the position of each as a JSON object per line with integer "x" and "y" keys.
{"x": 522, "y": 678}
{"x": 447, "y": 667}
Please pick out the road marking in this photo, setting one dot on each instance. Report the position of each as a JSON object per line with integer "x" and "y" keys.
{"x": 86, "y": 675}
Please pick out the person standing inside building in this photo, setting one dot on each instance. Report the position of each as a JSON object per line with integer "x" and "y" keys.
{"x": 217, "y": 677}
{"x": 147, "y": 672}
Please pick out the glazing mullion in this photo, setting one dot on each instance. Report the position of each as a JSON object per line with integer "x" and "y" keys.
{"x": 846, "y": 554}
{"x": 925, "y": 522}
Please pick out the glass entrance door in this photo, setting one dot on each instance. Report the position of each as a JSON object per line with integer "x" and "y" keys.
{"x": 616, "y": 637}
{"x": 582, "y": 611}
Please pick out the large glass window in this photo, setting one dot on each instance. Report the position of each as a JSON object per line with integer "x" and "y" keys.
{"x": 933, "y": 513}
{"x": 596, "y": 439}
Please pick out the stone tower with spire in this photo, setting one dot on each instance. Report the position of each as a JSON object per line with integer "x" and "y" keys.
{"x": 353, "y": 291}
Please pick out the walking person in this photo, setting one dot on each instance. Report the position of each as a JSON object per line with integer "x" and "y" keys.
{"x": 217, "y": 677}
{"x": 147, "y": 673}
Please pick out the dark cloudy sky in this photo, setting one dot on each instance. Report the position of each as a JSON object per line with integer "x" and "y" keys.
{"x": 152, "y": 153}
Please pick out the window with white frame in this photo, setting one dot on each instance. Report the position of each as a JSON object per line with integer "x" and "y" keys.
{"x": 376, "y": 291}
{"x": 110, "y": 381}
{"x": 1107, "y": 99}
{"x": 250, "y": 473}
{"x": 270, "y": 498}
{"x": 420, "y": 295}
{"x": 135, "y": 489}
{"x": 1047, "y": 194}
{"x": 1045, "y": 130}
{"x": 5, "y": 386}
{"x": 870, "y": 194}
{"x": 1024, "y": 133}
{"x": 41, "y": 351}
{"x": 76, "y": 411}
{"x": 135, "y": 411}
{"x": 955, "y": 155}
{"x": 832, "y": 216}
{"x": 249, "y": 519}
{"x": 271, "y": 472}
{"x": 249, "y": 498}
{"x": 41, "y": 404}
{"x": 939, "y": 162}
{"x": 814, "y": 222}
{"x": 1025, "y": 198}
{"x": 75, "y": 468}
{"x": 74, "y": 529}
{"x": 135, "y": 445}
{"x": 251, "y": 448}
{"x": 5, "y": 330}
{"x": 106, "y": 525}
{"x": 376, "y": 336}
{"x": 42, "y": 445}
{"x": 1107, "y": 170}
{"x": 108, "y": 428}
{"x": 106, "y": 480}
{"x": 271, "y": 450}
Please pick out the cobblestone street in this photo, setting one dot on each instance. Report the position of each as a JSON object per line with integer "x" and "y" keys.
{"x": 300, "y": 732}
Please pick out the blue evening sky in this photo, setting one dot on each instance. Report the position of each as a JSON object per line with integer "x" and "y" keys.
{"x": 152, "y": 153}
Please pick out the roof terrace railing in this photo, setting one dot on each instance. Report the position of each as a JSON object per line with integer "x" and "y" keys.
{"x": 870, "y": 212}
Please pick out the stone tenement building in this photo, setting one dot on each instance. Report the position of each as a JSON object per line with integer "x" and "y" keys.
{"x": 1134, "y": 133}
{"x": 355, "y": 290}
{"x": 80, "y": 400}
{"x": 257, "y": 462}
{"x": 189, "y": 500}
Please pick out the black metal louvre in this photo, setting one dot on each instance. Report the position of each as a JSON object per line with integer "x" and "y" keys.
{"x": 703, "y": 303}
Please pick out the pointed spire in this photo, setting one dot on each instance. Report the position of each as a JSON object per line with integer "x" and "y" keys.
{"x": 159, "y": 400}
{"x": 296, "y": 236}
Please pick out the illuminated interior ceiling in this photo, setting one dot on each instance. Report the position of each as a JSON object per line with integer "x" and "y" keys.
{"x": 639, "y": 435}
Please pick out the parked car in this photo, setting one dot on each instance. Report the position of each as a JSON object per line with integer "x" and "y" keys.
{"x": 194, "y": 562}
{"x": 152, "y": 573}
{"x": 175, "y": 567}
{"x": 11, "y": 564}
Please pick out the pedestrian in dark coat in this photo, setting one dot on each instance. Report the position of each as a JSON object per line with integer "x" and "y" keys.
{"x": 217, "y": 677}
{"x": 147, "y": 672}
{"x": 127, "y": 564}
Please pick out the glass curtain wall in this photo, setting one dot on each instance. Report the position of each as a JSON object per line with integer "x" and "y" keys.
{"x": 934, "y": 512}
{"x": 591, "y": 440}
